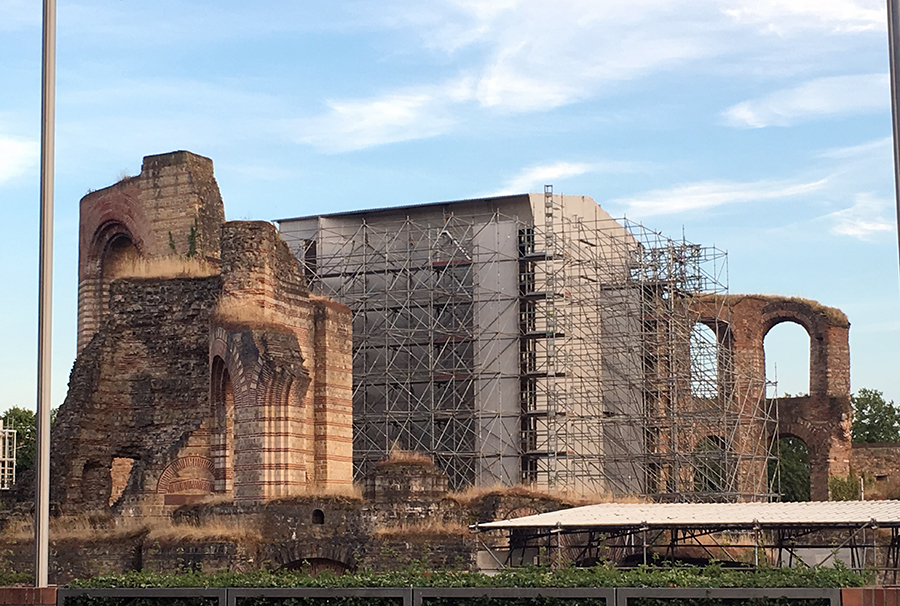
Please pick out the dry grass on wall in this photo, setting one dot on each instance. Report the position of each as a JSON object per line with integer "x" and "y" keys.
{"x": 164, "y": 267}
{"x": 83, "y": 527}
{"x": 87, "y": 528}
{"x": 214, "y": 529}
{"x": 406, "y": 457}
{"x": 424, "y": 528}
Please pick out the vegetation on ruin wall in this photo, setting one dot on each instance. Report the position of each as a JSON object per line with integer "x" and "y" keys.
{"x": 713, "y": 575}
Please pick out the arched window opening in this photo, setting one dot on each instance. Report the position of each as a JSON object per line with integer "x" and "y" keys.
{"x": 710, "y": 473}
{"x": 789, "y": 470}
{"x": 318, "y": 516}
{"x": 222, "y": 443}
{"x": 704, "y": 362}
{"x": 119, "y": 257}
{"x": 786, "y": 349}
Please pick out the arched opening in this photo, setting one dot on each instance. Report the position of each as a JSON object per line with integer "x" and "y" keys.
{"x": 710, "y": 471}
{"x": 786, "y": 349}
{"x": 119, "y": 254}
{"x": 704, "y": 362}
{"x": 789, "y": 470}
{"x": 222, "y": 440}
{"x": 318, "y": 516}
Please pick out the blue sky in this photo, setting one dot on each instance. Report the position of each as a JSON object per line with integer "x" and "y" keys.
{"x": 758, "y": 126}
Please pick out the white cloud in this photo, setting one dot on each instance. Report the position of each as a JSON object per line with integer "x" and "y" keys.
{"x": 400, "y": 116}
{"x": 535, "y": 177}
{"x": 814, "y": 99}
{"x": 863, "y": 219}
{"x": 878, "y": 147}
{"x": 709, "y": 194}
{"x": 784, "y": 16}
{"x": 531, "y": 55}
{"x": 16, "y": 157}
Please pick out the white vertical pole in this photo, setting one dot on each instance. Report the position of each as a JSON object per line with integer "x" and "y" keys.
{"x": 45, "y": 311}
{"x": 893, "y": 50}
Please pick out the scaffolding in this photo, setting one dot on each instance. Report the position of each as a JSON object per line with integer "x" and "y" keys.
{"x": 7, "y": 457}
{"x": 584, "y": 355}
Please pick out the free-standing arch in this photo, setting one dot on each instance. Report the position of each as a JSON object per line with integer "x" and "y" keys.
{"x": 821, "y": 419}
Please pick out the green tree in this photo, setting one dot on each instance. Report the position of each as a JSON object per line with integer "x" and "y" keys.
{"x": 24, "y": 421}
{"x": 874, "y": 419}
{"x": 789, "y": 471}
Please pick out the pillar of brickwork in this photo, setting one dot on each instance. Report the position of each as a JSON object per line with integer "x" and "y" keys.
{"x": 333, "y": 395}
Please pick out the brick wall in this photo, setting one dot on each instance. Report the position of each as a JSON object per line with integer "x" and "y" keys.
{"x": 822, "y": 418}
{"x": 28, "y": 596}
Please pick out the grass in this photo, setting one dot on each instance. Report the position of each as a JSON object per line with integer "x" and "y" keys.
{"x": 406, "y": 457}
{"x": 424, "y": 528}
{"x": 88, "y": 528}
{"x": 164, "y": 267}
{"x": 214, "y": 529}
{"x": 339, "y": 493}
{"x": 82, "y": 527}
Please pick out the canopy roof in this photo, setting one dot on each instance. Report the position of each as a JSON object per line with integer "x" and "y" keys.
{"x": 838, "y": 514}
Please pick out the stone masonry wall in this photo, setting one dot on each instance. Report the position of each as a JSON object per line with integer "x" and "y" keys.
{"x": 137, "y": 391}
{"x": 314, "y": 443}
{"x": 172, "y": 207}
{"x": 879, "y": 464}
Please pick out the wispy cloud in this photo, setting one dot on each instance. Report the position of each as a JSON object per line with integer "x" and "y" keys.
{"x": 785, "y": 16}
{"x": 508, "y": 53}
{"x": 400, "y": 116}
{"x": 16, "y": 157}
{"x": 710, "y": 194}
{"x": 862, "y": 220}
{"x": 535, "y": 177}
{"x": 813, "y": 100}
{"x": 878, "y": 147}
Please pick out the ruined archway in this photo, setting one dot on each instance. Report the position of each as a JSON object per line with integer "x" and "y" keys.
{"x": 822, "y": 418}
{"x": 222, "y": 441}
{"x": 186, "y": 480}
{"x": 786, "y": 349}
{"x": 790, "y": 468}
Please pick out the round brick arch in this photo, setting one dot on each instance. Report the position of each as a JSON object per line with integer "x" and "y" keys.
{"x": 107, "y": 215}
{"x": 821, "y": 419}
{"x": 775, "y": 314}
{"x": 168, "y": 481}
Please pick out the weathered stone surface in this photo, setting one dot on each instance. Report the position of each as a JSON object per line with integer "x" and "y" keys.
{"x": 235, "y": 384}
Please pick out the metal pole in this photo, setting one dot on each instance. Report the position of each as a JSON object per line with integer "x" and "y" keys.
{"x": 893, "y": 50}
{"x": 45, "y": 307}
